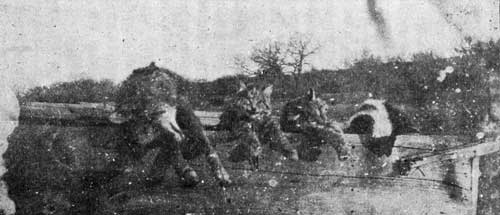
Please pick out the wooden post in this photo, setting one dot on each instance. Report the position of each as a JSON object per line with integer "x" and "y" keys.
{"x": 493, "y": 115}
{"x": 476, "y": 173}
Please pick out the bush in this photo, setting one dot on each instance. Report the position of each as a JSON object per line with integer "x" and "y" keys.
{"x": 84, "y": 90}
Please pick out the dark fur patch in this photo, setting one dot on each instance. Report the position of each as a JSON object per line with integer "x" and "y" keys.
{"x": 362, "y": 124}
{"x": 306, "y": 110}
{"x": 142, "y": 93}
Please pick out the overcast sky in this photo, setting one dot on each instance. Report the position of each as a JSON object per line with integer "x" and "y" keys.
{"x": 44, "y": 41}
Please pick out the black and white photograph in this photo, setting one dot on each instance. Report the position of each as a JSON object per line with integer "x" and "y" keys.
{"x": 194, "y": 107}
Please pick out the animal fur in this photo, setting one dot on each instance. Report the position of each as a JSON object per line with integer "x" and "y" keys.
{"x": 155, "y": 116}
{"x": 308, "y": 115}
{"x": 382, "y": 122}
{"x": 247, "y": 117}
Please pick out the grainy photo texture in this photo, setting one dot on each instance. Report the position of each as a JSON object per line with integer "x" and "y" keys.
{"x": 250, "y": 107}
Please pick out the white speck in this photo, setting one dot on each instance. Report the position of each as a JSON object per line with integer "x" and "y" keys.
{"x": 273, "y": 183}
{"x": 426, "y": 87}
{"x": 370, "y": 95}
{"x": 442, "y": 73}
{"x": 366, "y": 173}
{"x": 441, "y": 78}
{"x": 246, "y": 173}
{"x": 278, "y": 164}
{"x": 480, "y": 135}
{"x": 458, "y": 90}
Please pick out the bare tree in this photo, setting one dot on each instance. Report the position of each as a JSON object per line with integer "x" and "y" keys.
{"x": 243, "y": 66}
{"x": 274, "y": 58}
{"x": 267, "y": 60}
{"x": 299, "y": 48}
{"x": 270, "y": 59}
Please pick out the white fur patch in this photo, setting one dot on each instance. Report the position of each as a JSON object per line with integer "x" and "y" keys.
{"x": 382, "y": 126}
{"x": 169, "y": 122}
{"x": 294, "y": 117}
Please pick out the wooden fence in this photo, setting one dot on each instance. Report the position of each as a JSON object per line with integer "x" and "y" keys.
{"x": 424, "y": 174}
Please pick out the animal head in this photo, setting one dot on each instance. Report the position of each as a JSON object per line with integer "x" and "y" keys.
{"x": 380, "y": 118}
{"x": 314, "y": 108}
{"x": 307, "y": 109}
{"x": 254, "y": 101}
{"x": 146, "y": 104}
{"x": 383, "y": 122}
{"x": 371, "y": 118}
{"x": 145, "y": 91}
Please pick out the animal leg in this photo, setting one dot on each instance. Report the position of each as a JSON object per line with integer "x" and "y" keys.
{"x": 330, "y": 135}
{"x": 218, "y": 170}
{"x": 197, "y": 141}
{"x": 248, "y": 147}
{"x": 271, "y": 133}
{"x": 188, "y": 176}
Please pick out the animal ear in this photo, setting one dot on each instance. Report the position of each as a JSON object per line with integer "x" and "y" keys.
{"x": 268, "y": 91}
{"x": 311, "y": 94}
{"x": 117, "y": 118}
{"x": 243, "y": 86}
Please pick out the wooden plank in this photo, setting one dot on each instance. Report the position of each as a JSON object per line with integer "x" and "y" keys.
{"x": 56, "y": 113}
{"x": 85, "y": 113}
{"x": 463, "y": 152}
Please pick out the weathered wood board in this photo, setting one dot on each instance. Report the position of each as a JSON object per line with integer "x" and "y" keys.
{"x": 84, "y": 113}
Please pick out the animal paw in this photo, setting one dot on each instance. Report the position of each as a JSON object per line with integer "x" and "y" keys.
{"x": 343, "y": 154}
{"x": 220, "y": 173}
{"x": 224, "y": 180}
{"x": 294, "y": 155}
{"x": 189, "y": 177}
